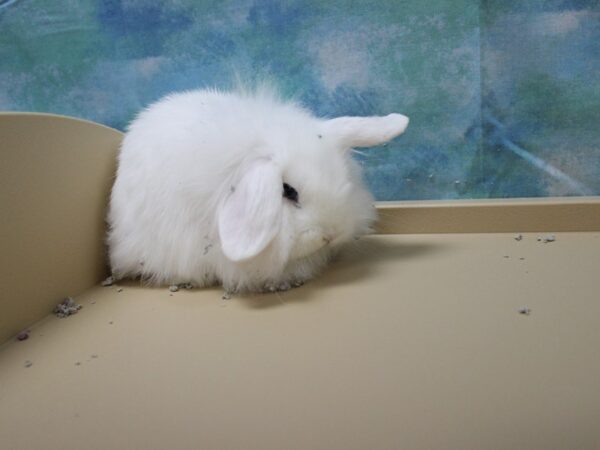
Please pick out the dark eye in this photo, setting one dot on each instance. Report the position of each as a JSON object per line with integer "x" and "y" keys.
{"x": 290, "y": 193}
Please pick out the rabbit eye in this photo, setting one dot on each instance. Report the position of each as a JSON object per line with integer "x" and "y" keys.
{"x": 290, "y": 193}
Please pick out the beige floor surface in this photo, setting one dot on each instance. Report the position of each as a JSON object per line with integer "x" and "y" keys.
{"x": 406, "y": 342}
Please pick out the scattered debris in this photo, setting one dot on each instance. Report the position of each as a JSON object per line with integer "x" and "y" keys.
{"x": 93, "y": 302}
{"x": 226, "y": 296}
{"x": 506, "y": 256}
{"x": 320, "y": 136}
{"x": 111, "y": 322}
{"x": 120, "y": 290}
{"x": 456, "y": 181}
{"x": 207, "y": 249}
{"x": 94, "y": 356}
{"x": 521, "y": 258}
{"x": 518, "y": 237}
{"x": 23, "y": 335}
{"x": 525, "y": 311}
{"x": 78, "y": 363}
{"x": 108, "y": 282}
{"x": 28, "y": 363}
{"x": 548, "y": 238}
{"x": 176, "y": 287}
{"x": 66, "y": 308}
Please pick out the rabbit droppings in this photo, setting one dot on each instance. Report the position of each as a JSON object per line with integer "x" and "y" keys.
{"x": 242, "y": 189}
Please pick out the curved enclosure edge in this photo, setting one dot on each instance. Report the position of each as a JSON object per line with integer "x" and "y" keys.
{"x": 55, "y": 178}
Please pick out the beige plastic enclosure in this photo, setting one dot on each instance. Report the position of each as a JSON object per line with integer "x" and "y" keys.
{"x": 444, "y": 331}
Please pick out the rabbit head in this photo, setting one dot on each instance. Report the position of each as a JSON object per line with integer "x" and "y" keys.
{"x": 301, "y": 193}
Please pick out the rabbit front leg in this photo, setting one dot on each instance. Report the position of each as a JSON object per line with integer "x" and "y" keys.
{"x": 299, "y": 271}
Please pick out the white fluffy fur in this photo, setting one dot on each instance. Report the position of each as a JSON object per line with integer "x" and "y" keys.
{"x": 198, "y": 194}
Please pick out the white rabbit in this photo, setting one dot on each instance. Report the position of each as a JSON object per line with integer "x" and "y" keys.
{"x": 241, "y": 189}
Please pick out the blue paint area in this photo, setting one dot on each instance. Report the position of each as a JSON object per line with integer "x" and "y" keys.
{"x": 503, "y": 95}
{"x": 139, "y": 30}
{"x": 276, "y": 18}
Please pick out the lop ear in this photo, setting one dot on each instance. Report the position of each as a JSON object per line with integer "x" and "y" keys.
{"x": 250, "y": 217}
{"x": 365, "y": 131}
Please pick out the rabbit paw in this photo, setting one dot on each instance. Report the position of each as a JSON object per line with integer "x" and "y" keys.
{"x": 284, "y": 286}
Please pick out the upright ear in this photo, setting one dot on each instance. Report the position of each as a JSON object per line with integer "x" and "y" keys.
{"x": 250, "y": 217}
{"x": 365, "y": 131}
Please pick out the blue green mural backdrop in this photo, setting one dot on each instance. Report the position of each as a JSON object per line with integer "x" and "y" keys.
{"x": 504, "y": 95}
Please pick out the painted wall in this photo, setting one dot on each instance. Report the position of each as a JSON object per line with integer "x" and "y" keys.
{"x": 504, "y": 95}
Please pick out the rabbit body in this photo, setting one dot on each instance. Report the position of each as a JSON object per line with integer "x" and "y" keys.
{"x": 241, "y": 189}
